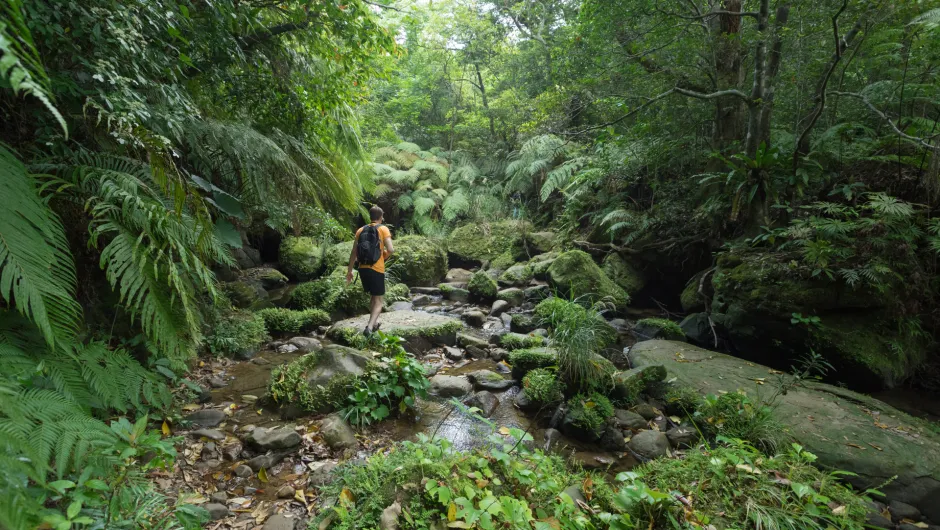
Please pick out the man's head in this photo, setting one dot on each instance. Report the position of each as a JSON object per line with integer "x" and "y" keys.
{"x": 375, "y": 214}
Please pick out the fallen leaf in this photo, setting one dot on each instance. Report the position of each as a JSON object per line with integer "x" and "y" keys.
{"x": 165, "y": 429}
{"x": 881, "y": 425}
{"x": 875, "y": 446}
{"x": 482, "y": 483}
{"x": 758, "y": 380}
{"x": 772, "y": 371}
{"x": 263, "y": 475}
{"x": 347, "y": 497}
{"x": 675, "y": 419}
{"x": 749, "y": 469}
{"x": 504, "y": 431}
{"x": 587, "y": 487}
{"x": 839, "y": 510}
{"x": 299, "y": 495}
{"x": 452, "y": 512}
{"x": 855, "y": 446}
{"x": 191, "y": 406}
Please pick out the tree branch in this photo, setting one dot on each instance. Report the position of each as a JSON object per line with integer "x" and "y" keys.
{"x": 383, "y": 6}
{"x": 752, "y": 14}
{"x": 713, "y": 95}
{"x": 920, "y": 141}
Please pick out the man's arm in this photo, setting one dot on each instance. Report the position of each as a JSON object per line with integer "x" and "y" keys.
{"x": 389, "y": 247}
{"x": 352, "y": 261}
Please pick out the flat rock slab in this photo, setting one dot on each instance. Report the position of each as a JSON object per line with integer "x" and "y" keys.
{"x": 846, "y": 430}
{"x": 421, "y": 330}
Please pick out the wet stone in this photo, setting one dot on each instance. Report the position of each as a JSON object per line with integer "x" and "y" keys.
{"x": 211, "y": 434}
{"x": 207, "y": 417}
{"x": 649, "y": 444}
{"x": 454, "y": 354}
{"x": 219, "y": 497}
{"x": 285, "y": 492}
{"x": 216, "y": 382}
{"x": 216, "y": 511}
{"x": 485, "y": 401}
{"x": 489, "y": 380}
{"x": 279, "y": 522}
{"x": 268, "y": 439}
{"x": 265, "y": 461}
{"x": 450, "y": 386}
{"x": 243, "y": 471}
{"x": 474, "y": 318}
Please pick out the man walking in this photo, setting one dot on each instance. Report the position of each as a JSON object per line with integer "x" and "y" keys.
{"x": 373, "y": 245}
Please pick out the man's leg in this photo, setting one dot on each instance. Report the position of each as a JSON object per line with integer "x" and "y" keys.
{"x": 376, "y": 310}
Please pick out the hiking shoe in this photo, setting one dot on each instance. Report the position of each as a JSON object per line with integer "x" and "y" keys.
{"x": 367, "y": 332}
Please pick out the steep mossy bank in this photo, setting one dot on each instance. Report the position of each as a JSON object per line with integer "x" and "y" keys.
{"x": 763, "y": 303}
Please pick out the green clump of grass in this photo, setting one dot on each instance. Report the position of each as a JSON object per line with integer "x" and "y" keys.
{"x": 664, "y": 328}
{"x": 590, "y": 411}
{"x": 281, "y": 320}
{"x": 579, "y": 334}
{"x": 542, "y": 386}
{"x": 736, "y": 416}
{"x": 289, "y": 385}
{"x": 734, "y": 485}
{"x": 482, "y": 286}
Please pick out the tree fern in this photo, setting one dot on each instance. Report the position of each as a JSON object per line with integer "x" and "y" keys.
{"x": 424, "y": 205}
{"x": 37, "y": 274}
{"x": 455, "y": 205}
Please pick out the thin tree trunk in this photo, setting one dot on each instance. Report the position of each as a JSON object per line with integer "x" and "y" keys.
{"x": 729, "y": 111}
{"x": 486, "y": 104}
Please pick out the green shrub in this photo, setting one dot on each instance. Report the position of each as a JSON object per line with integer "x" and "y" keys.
{"x": 391, "y": 387}
{"x": 734, "y": 415}
{"x": 289, "y": 385}
{"x": 281, "y": 320}
{"x": 542, "y": 386}
{"x": 482, "y": 286}
{"x": 331, "y": 293}
{"x": 502, "y": 261}
{"x": 518, "y": 341}
{"x": 525, "y": 360}
{"x": 398, "y": 292}
{"x": 575, "y": 274}
{"x": 590, "y": 411}
{"x": 236, "y": 332}
{"x": 735, "y": 486}
{"x": 681, "y": 399}
{"x": 318, "y": 294}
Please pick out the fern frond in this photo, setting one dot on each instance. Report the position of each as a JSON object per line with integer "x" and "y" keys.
{"x": 455, "y": 205}
{"x": 37, "y": 274}
{"x": 424, "y": 205}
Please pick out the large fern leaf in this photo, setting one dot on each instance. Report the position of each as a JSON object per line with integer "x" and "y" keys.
{"x": 37, "y": 274}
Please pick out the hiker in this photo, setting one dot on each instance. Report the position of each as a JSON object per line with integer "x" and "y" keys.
{"x": 373, "y": 245}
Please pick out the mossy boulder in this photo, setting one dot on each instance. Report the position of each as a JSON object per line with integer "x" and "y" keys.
{"x": 760, "y": 298}
{"x": 574, "y": 274}
{"x": 454, "y": 294}
{"x": 586, "y": 416}
{"x": 482, "y": 286}
{"x": 845, "y": 430}
{"x": 540, "y": 264}
{"x": 300, "y": 258}
{"x": 269, "y": 277}
{"x": 518, "y": 341}
{"x": 319, "y": 382}
{"x": 692, "y": 301}
{"x": 419, "y": 261}
{"x": 421, "y": 330}
{"x": 337, "y": 255}
{"x": 514, "y": 295}
{"x": 525, "y": 360}
{"x": 540, "y": 242}
{"x": 657, "y": 328}
{"x": 623, "y": 273}
{"x": 244, "y": 294}
{"x": 332, "y": 294}
{"x": 472, "y": 244}
{"x": 518, "y": 275}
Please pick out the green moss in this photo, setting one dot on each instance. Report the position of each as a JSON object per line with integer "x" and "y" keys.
{"x": 575, "y": 274}
{"x": 691, "y": 300}
{"x": 623, "y": 273}
{"x": 502, "y": 262}
{"x": 319, "y": 294}
{"x": 525, "y": 360}
{"x": 482, "y": 286}
{"x": 589, "y": 411}
{"x": 418, "y": 261}
{"x": 485, "y": 241}
{"x": 300, "y": 258}
{"x": 682, "y": 399}
{"x": 660, "y": 328}
{"x": 523, "y": 323}
{"x": 353, "y": 337}
{"x": 541, "y": 263}
{"x": 518, "y": 341}
{"x": 235, "y": 333}
{"x": 517, "y": 275}
{"x": 553, "y": 312}
{"x": 289, "y": 385}
{"x": 542, "y": 386}
{"x": 281, "y": 320}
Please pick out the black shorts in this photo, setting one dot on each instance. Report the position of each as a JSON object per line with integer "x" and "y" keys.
{"x": 372, "y": 282}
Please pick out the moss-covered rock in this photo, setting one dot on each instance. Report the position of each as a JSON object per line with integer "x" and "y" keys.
{"x": 523, "y": 323}
{"x": 543, "y": 387}
{"x": 623, "y": 273}
{"x": 692, "y": 301}
{"x": 482, "y": 286}
{"x": 525, "y": 360}
{"x": 514, "y": 295}
{"x": 418, "y": 261}
{"x": 300, "y": 258}
{"x": 518, "y": 341}
{"x": 454, "y": 294}
{"x": 337, "y": 255}
{"x": 331, "y": 294}
{"x": 420, "y": 330}
{"x": 586, "y": 418}
{"x": 282, "y": 320}
{"x": 244, "y": 294}
{"x": 518, "y": 275}
{"x": 474, "y": 243}
{"x": 630, "y": 384}
{"x": 319, "y": 382}
{"x": 657, "y": 328}
{"x": 540, "y": 264}
{"x": 269, "y": 277}
{"x": 574, "y": 274}
{"x": 758, "y": 295}
{"x": 540, "y": 242}
{"x": 502, "y": 262}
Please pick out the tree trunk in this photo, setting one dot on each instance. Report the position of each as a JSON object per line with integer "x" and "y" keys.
{"x": 486, "y": 104}
{"x": 729, "y": 110}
